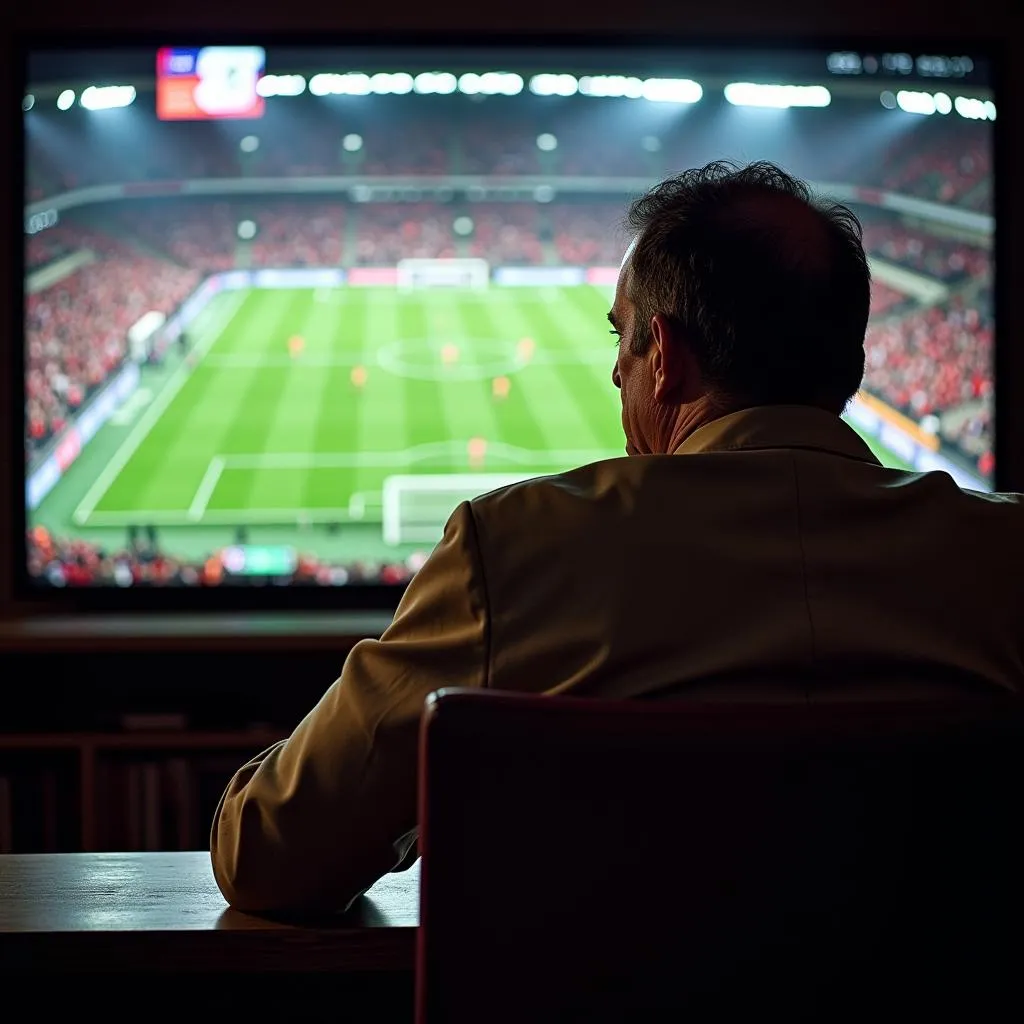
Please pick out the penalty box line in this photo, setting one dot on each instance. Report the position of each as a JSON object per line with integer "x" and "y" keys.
{"x": 199, "y": 511}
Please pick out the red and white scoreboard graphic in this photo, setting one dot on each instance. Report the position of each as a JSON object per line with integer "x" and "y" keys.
{"x": 209, "y": 82}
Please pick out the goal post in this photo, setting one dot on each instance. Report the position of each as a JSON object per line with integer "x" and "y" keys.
{"x": 443, "y": 273}
{"x": 416, "y": 506}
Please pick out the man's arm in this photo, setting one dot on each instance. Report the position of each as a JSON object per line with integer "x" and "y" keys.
{"x": 314, "y": 821}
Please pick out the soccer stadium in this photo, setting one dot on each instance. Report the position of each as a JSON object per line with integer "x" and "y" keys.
{"x": 288, "y": 345}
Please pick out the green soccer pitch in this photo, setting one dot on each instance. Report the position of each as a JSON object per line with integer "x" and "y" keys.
{"x": 243, "y": 432}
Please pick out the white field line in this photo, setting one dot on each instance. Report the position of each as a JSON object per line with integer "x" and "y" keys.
{"x": 358, "y": 501}
{"x": 130, "y": 445}
{"x": 222, "y": 517}
{"x": 206, "y": 488}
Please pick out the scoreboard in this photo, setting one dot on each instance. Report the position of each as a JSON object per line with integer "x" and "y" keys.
{"x": 209, "y": 83}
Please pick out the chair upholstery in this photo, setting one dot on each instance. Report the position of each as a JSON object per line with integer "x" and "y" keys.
{"x": 594, "y": 860}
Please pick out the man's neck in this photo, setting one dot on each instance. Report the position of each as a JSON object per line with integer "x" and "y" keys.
{"x": 692, "y": 417}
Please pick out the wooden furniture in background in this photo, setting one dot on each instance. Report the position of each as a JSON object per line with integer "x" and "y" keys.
{"x": 149, "y": 933}
{"x": 611, "y": 861}
{"x": 120, "y": 732}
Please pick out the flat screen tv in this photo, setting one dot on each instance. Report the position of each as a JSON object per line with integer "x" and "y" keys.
{"x": 287, "y": 303}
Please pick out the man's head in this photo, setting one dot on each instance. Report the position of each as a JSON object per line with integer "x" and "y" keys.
{"x": 739, "y": 289}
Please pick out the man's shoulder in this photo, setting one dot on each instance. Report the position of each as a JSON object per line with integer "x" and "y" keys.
{"x": 575, "y": 487}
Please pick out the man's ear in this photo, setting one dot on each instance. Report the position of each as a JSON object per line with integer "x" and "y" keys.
{"x": 668, "y": 362}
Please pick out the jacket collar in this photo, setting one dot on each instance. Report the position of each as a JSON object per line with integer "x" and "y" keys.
{"x": 778, "y": 426}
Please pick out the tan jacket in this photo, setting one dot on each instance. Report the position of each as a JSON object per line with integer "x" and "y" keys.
{"x": 770, "y": 557}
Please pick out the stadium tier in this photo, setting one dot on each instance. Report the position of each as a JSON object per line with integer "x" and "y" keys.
{"x": 288, "y": 347}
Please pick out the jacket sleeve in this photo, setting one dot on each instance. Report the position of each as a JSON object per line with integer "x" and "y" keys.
{"x": 311, "y": 823}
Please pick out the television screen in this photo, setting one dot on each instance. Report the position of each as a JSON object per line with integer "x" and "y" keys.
{"x": 287, "y": 306}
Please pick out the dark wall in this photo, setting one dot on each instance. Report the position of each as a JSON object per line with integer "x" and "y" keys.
{"x": 953, "y": 20}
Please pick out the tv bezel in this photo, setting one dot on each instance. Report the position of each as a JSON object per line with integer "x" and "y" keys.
{"x": 385, "y": 597}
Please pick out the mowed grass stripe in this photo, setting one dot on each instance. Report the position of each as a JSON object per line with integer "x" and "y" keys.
{"x": 425, "y": 401}
{"x": 583, "y": 327}
{"x": 338, "y": 425}
{"x": 517, "y": 417}
{"x": 381, "y": 407}
{"x": 169, "y": 464}
{"x": 292, "y": 427}
{"x": 469, "y": 406}
{"x": 573, "y": 414}
{"x": 262, "y": 391}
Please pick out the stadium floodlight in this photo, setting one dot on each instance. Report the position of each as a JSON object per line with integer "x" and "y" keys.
{"x": 554, "y": 85}
{"x": 352, "y": 143}
{"x": 546, "y": 142}
{"x": 611, "y": 86}
{"x": 974, "y": 109}
{"x": 281, "y": 85}
{"x": 442, "y": 83}
{"x": 463, "y": 226}
{"x": 911, "y": 102}
{"x": 28, "y": 102}
{"x": 321, "y": 85}
{"x": 249, "y": 144}
{"x": 503, "y": 83}
{"x": 888, "y": 100}
{"x": 777, "y": 97}
{"x": 672, "y": 90}
{"x": 943, "y": 104}
{"x": 246, "y": 230}
{"x": 66, "y": 99}
{"x": 397, "y": 84}
{"x": 107, "y": 97}
{"x": 490, "y": 83}
{"x": 352, "y": 83}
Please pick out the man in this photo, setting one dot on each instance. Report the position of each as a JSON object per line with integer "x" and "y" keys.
{"x": 753, "y": 548}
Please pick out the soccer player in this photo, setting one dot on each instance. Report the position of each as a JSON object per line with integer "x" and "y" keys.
{"x": 477, "y": 451}
{"x": 296, "y": 346}
{"x": 525, "y": 349}
{"x": 358, "y": 376}
{"x": 500, "y": 387}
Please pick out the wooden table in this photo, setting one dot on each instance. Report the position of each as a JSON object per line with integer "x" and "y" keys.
{"x": 82, "y": 925}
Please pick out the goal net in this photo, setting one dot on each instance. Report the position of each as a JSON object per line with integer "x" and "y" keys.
{"x": 453, "y": 273}
{"x": 416, "y": 506}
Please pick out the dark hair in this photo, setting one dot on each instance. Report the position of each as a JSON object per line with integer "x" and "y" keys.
{"x": 769, "y": 285}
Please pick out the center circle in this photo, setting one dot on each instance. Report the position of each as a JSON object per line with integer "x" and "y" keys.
{"x": 458, "y": 359}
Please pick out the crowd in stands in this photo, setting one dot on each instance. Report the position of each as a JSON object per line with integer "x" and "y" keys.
{"x": 293, "y": 235}
{"x": 76, "y": 330}
{"x": 44, "y": 247}
{"x": 941, "y": 258}
{"x": 955, "y": 175}
{"x": 884, "y": 299}
{"x": 74, "y": 562}
{"x": 388, "y": 233}
{"x": 948, "y": 161}
{"x": 589, "y": 234}
{"x": 202, "y": 235}
{"x": 934, "y": 360}
{"x": 507, "y": 234}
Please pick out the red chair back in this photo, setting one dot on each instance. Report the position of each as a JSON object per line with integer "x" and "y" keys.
{"x": 624, "y": 861}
